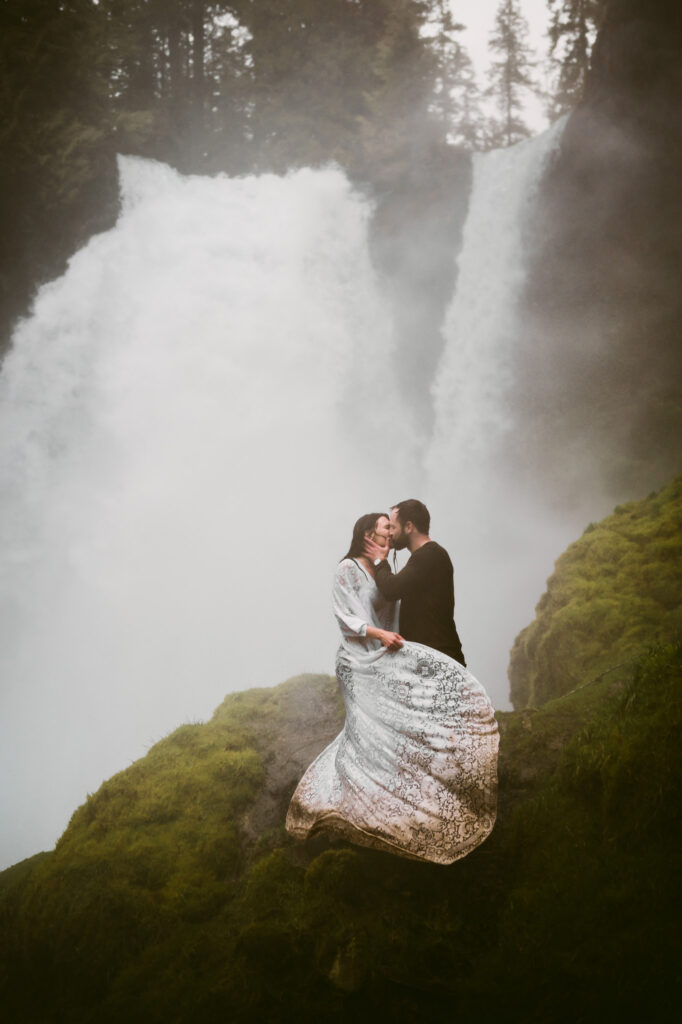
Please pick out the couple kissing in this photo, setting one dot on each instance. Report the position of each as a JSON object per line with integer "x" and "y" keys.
{"x": 414, "y": 770}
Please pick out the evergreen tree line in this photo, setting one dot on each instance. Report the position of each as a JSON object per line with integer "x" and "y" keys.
{"x": 242, "y": 86}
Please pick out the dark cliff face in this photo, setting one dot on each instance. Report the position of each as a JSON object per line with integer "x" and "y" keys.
{"x": 415, "y": 235}
{"x": 600, "y": 372}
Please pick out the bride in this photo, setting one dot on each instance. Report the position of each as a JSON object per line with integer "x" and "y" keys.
{"x": 414, "y": 770}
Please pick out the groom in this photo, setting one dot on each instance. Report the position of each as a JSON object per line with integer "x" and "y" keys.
{"x": 425, "y": 586}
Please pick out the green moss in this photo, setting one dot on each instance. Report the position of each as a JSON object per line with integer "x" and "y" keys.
{"x": 614, "y": 591}
{"x": 156, "y": 905}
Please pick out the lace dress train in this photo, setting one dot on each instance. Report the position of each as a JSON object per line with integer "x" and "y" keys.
{"x": 414, "y": 770}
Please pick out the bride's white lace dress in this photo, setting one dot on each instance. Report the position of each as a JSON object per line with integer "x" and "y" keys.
{"x": 414, "y": 770}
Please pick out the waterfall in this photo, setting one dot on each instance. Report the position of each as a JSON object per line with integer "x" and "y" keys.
{"x": 182, "y": 467}
{"x": 482, "y": 325}
{"x": 193, "y": 416}
{"x": 502, "y": 538}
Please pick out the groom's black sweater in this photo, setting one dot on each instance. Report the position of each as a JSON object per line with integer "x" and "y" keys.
{"x": 426, "y": 593}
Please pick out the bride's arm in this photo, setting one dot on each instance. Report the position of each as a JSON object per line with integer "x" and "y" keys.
{"x": 346, "y": 602}
{"x": 350, "y": 611}
{"x": 393, "y": 641}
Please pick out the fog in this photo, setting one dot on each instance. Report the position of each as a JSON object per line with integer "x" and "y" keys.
{"x": 193, "y": 417}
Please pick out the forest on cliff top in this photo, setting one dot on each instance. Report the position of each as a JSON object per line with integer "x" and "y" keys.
{"x": 387, "y": 90}
{"x": 377, "y": 86}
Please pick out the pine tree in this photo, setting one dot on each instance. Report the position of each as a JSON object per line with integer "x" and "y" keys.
{"x": 53, "y": 172}
{"x": 456, "y": 96}
{"x": 510, "y": 74}
{"x": 571, "y": 34}
{"x": 468, "y": 121}
{"x": 443, "y": 44}
{"x": 172, "y": 66}
{"x": 398, "y": 122}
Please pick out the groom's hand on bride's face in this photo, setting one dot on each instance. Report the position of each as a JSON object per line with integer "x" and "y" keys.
{"x": 374, "y": 550}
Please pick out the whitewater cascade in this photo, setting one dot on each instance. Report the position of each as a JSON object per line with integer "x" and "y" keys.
{"x": 502, "y": 539}
{"x": 193, "y": 416}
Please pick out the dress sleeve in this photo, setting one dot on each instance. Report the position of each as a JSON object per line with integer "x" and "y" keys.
{"x": 349, "y": 610}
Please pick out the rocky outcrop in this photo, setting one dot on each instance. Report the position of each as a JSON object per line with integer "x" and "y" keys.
{"x": 308, "y": 712}
{"x": 614, "y": 592}
{"x": 175, "y": 893}
{"x": 415, "y": 235}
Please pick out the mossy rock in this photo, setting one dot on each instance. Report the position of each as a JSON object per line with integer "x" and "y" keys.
{"x": 614, "y": 591}
{"x": 163, "y": 902}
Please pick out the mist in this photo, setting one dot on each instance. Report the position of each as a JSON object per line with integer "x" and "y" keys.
{"x": 194, "y": 416}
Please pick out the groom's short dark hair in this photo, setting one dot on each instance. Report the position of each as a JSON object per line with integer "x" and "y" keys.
{"x": 415, "y": 512}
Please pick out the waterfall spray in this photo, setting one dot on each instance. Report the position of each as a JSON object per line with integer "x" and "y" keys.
{"x": 193, "y": 417}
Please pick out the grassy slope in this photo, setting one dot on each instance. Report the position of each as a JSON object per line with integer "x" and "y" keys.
{"x": 615, "y": 590}
{"x": 174, "y": 894}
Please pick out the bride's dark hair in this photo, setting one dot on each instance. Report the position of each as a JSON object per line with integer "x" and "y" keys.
{"x": 365, "y": 524}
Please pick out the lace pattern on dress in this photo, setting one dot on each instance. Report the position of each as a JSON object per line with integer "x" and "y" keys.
{"x": 414, "y": 770}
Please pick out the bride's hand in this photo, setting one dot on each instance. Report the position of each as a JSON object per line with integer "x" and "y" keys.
{"x": 392, "y": 641}
{"x": 374, "y": 550}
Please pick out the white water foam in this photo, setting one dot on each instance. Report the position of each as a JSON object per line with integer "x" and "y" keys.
{"x": 181, "y": 470}
{"x": 482, "y": 325}
{"x": 192, "y": 419}
{"x": 502, "y": 537}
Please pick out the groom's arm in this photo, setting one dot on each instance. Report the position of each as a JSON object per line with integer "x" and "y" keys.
{"x": 394, "y": 586}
